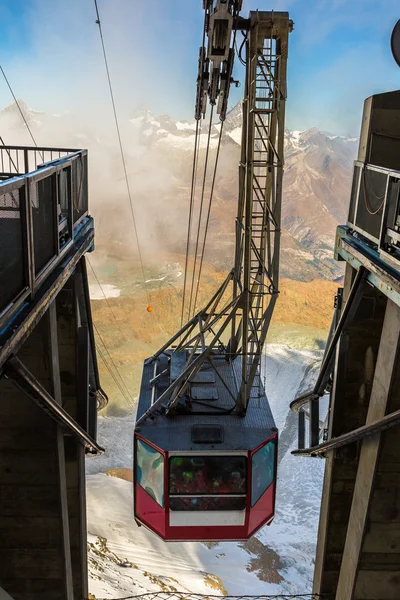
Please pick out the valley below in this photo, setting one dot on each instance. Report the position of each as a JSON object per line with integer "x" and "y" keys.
{"x": 127, "y": 334}
{"x": 125, "y": 560}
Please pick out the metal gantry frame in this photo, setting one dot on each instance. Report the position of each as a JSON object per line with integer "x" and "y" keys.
{"x": 244, "y": 303}
{"x": 370, "y": 270}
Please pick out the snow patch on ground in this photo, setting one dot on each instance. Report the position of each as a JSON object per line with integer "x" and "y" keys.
{"x": 106, "y": 290}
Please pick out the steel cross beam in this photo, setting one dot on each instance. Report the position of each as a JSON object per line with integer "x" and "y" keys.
{"x": 16, "y": 371}
{"x": 260, "y": 192}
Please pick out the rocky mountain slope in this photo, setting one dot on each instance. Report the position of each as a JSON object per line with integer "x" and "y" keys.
{"x": 159, "y": 155}
{"x": 316, "y": 186}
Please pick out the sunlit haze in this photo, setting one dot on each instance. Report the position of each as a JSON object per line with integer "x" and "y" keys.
{"x": 339, "y": 54}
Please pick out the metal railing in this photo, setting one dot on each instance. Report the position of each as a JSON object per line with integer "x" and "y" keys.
{"x": 374, "y": 210}
{"x": 40, "y": 216}
{"x": 20, "y": 160}
{"x": 307, "y": 406}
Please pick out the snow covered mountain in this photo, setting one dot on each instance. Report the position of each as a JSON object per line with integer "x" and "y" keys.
{"x": 126, "y": 560}
{"x": 159, "y": 156}
{"x": 316, "y": 185}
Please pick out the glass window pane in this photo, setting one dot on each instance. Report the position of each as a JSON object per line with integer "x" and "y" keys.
{"x": 207, "y": 503}
{"x": 150, "y": 471}
{"x": 207, "y": 475}
{"x": 263, "y": 470}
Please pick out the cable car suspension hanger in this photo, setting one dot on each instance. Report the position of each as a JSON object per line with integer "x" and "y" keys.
{"x": 245, "y": 301}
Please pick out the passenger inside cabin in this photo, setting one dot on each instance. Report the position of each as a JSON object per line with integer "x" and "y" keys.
{"x": 208, "y": 475}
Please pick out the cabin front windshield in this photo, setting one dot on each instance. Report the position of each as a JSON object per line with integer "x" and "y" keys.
{"x": 207, "y": 475}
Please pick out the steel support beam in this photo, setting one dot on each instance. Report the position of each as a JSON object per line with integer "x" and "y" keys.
{"x": 24, "y": 380}
{"x": 380, "y": 275}
{"x": 346, "y": 317}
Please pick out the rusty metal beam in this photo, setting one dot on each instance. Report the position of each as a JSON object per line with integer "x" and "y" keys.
{"x": 16, "y": 371}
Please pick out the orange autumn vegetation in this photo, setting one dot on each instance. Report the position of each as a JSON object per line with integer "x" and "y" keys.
{"x": 299, "y": 303}
{"x": 308, "y": 303}
{"x": 131, "y": 333}
{"x": 125, "y": 474}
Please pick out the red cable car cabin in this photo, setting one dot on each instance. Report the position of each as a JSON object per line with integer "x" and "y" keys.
{"x": 208, "y": 474}
{"x": 205, "y": 439}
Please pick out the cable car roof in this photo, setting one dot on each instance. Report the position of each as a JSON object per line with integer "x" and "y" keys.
{"x": 177, "y": 433}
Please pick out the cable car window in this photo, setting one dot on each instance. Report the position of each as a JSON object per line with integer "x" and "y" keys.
{"x": 150, "y": 471}
{"x": 197, "y": 475}
{"x": 263, "y": 471}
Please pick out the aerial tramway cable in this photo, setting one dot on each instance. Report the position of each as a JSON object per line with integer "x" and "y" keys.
{"x": 112, "y": 374}
{"x": 149, "y": 308}
{"x": 9, "y": 156}
{"x": 125, "y": 393}
{"x": 194, "y": 294}
{"x": 200, "y": 210}
{"x": 128, "y": 399}
{"x": 20, "y": 110}
{"x": 193, "y": 186}
{"x": 208, "y": 219}
{"x": 195, "y": 596}
{"x": 106, "y": 299}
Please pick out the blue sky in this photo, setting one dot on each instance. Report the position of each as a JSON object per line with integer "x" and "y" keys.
{"x": 339, "y": 53}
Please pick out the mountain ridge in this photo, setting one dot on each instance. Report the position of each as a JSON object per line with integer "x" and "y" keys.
{"x": 159, "y": 157}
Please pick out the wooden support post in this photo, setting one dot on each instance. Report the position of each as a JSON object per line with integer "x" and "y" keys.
{"x": 301, "y": 429}
{"x": 323, "y": 527}
{"x": 73, "y": 344}
{"x": 314, "y": 422}
{"x": 355, "y": 364}
{"x": 385, "y": 367}
{"x": 69, "y": 588}
{"x": 56, "y": 384}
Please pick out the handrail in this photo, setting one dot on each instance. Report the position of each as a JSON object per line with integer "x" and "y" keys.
{"x": 40, "y": 220}
{"x": 378, "y": 169}
{"x": 352, "y": 436}
{"x": 345, "y": 317}
{"x": 48, "y": 167}
{"x": 19, "y": 160}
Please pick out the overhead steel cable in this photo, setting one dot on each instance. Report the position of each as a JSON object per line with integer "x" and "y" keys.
{"x": 20, "y": 110}
{"x": 234, "y": 45}
{"x": 112, "y": 374}
{"x": 208, "y": 218}
{"x": 201, "y": 210}
{"x": 9, "y": 156}
{"x": 193, "y": 186}
{"x": 106, "y": 299}
{"x": 121, "y": 148}
{"x": 112, "y": 362}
